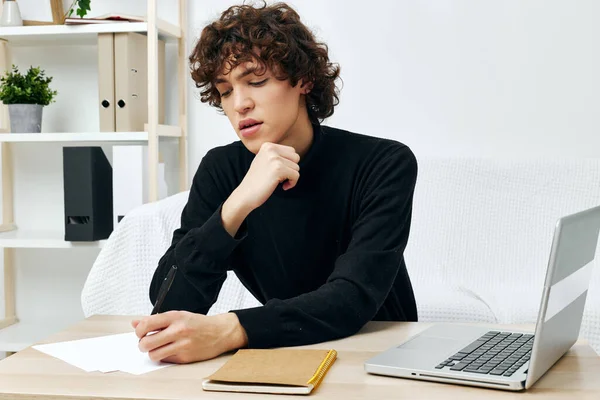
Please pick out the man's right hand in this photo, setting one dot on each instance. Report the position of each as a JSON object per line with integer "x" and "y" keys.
{"x": 272, "y": 165}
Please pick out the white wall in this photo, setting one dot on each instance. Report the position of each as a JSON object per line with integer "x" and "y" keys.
{"x": 451, "y": 76}
{"x": 445, "y": 77}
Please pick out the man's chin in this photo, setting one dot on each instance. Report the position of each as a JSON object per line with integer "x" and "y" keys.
{"x": 255, "y": 145}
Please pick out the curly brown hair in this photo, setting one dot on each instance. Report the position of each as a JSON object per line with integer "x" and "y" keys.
{"x": 274, "y": 37}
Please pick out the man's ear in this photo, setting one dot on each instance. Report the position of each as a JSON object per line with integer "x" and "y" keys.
{"x": 306, "y": 86}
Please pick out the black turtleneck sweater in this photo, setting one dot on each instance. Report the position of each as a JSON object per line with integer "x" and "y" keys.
{"x": 323, "y": 258}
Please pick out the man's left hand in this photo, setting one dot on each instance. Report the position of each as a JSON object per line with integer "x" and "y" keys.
{"x": 183, "y": 337}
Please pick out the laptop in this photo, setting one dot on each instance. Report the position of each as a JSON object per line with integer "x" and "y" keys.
{"x": 476, "y": 356}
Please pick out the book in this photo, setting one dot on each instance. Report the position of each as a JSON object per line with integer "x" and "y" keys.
{"x": 274, "y": 371}
{"x": 104, "y": 19}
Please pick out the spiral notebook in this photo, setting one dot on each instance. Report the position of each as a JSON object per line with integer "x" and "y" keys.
{"x": 278, "y": 371}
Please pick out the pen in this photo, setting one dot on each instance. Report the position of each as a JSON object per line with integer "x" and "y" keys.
{"x": 162, "y": 292}
{"x": 164, "y": 288}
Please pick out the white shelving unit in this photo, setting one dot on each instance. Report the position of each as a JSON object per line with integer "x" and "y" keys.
{"x": 82, "y": 34}
{"x": 15, "y": 335}
{"x": 70, "y": 137}
{"x": 19, "y": 239}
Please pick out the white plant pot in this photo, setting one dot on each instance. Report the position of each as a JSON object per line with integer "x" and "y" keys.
{"x": 25, "y": 118}
{"x": 11, "y": 15}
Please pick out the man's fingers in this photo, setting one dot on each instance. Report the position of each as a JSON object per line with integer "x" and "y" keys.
{"x": 157, "y": 340}
{"x": 290, "y": 164}
{"x": 164, "y": 352}
{"x": 287, "y": 152}
{"x": 290, "y": 154}
{"x": 292, "y": 180}
{"x": 155, "y": 323}
{"x": 175, "y": 359}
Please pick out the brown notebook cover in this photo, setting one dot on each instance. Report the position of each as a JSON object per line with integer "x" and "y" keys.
{"x": 292, "y": 371}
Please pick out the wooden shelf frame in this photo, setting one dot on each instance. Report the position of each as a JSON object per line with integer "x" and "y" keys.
{"x": 164, "y": 131}
{"x": 81, "y": 34}
{"x": 87, "y": 34}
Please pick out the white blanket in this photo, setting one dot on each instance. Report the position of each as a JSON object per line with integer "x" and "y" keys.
{"x": 478, "y": 250}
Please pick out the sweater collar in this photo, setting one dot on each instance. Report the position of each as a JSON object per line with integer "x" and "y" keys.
{"x": 306, "y": 164}
{"x": 313, "y": 149}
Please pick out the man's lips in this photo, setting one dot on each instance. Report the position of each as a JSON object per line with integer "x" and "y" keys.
{"x": 245, "y": 123}
{"x": 250, "y": 130}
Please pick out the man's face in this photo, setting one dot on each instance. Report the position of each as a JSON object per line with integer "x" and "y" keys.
{"x": 261, "y": 108}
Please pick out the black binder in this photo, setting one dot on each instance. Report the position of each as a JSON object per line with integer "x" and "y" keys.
{"x": 88, "y": 194}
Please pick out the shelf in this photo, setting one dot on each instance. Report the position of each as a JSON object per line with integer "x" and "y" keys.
{"x": 79, "y": 34}
{"x": 75, "y": 137}
{"x": 42, "y": 240}
{"x": 135, "y": 137}
{"x": 23, "y": 334}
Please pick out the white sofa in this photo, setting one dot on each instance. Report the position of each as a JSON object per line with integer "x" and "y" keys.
{"x": 478, "y": 250}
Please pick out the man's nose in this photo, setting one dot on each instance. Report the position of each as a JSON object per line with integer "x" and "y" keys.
{"x": 242, "y": 102}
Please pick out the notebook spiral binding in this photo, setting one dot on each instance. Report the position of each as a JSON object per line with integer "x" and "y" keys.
{"x": 323, "y": 368}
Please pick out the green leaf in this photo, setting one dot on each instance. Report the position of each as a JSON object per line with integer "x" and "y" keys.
{"x": 31, "y": 88}
{"x": 83, "y": 6}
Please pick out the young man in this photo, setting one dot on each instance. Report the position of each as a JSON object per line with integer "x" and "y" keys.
{"x": 313, "y": 220}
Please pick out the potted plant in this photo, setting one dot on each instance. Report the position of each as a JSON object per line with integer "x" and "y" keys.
{"x": 83, "y": 6}
{"x": 26, "y": 95}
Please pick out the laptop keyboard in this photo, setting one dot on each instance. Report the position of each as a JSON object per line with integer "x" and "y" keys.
{"x": 495, "y": 353}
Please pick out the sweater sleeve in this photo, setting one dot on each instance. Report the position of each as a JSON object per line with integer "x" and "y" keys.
{"x": 200, "y": 248}
{"x": 362, "y": 277}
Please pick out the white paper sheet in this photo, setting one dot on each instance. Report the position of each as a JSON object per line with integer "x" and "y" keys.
{"x": 105, "y": 354}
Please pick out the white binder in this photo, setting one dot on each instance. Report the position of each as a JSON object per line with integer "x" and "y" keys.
{"x": 123, "y": 89}
{"x": 106, "y": 81}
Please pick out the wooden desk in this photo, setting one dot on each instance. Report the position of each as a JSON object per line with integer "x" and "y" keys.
{"x": 32, "y": 374}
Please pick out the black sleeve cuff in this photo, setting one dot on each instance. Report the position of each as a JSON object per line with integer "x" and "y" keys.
{"x": 262, "y": 326}
{"x": 209, "y": 240}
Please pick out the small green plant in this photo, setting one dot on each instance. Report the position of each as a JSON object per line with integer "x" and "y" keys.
{"x": 83, "y": 6}
{"x": 31, "y": 88}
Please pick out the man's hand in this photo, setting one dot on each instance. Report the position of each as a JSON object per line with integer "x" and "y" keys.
{"x": 183, "y": 337}
{"x": 272, "y": 165}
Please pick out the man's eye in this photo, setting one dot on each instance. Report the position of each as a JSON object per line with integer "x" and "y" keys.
{"x": 258, "y": 83}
